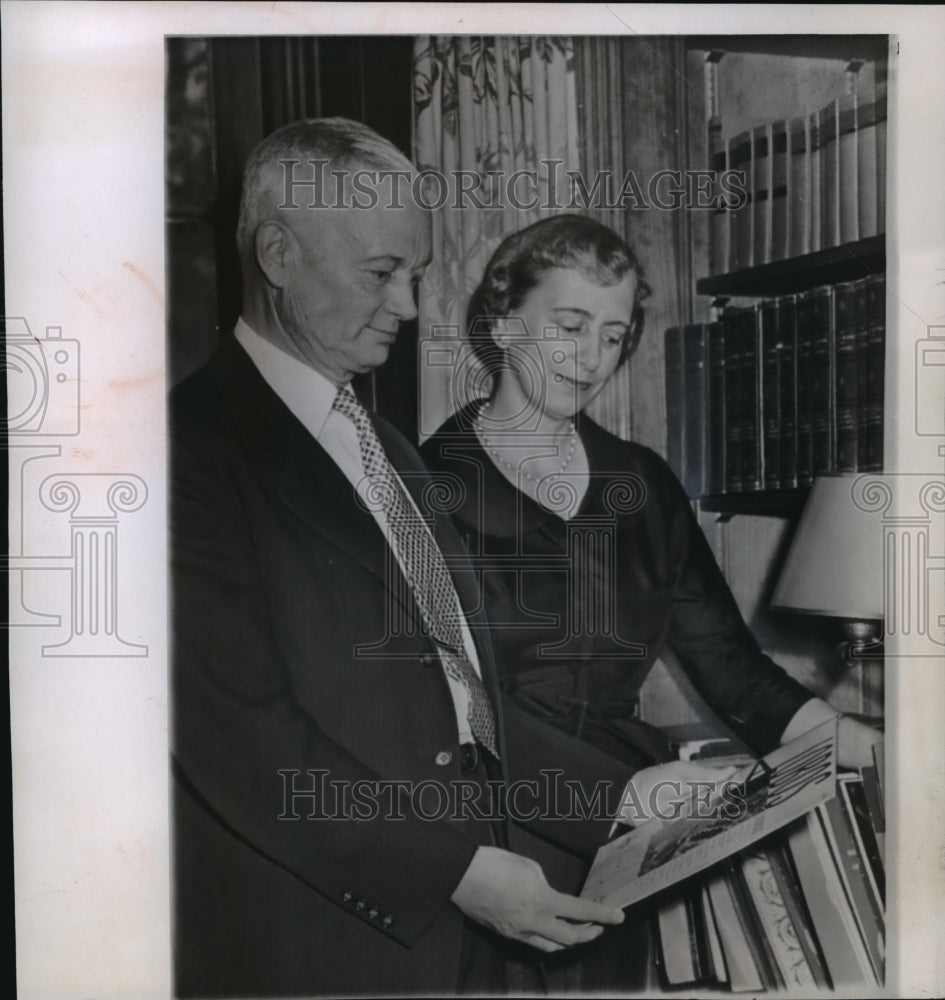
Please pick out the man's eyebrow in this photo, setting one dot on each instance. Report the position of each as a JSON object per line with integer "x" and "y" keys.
{"x": 384, "y": 258}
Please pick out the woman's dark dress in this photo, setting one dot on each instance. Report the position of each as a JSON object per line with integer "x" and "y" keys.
{"x": 579, "y": 610}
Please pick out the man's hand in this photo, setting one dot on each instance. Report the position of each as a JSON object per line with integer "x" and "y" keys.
{"x": 510, "y": 895}
{"x": 855, "y": 742}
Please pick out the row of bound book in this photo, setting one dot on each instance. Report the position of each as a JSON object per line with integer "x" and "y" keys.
{"x": 777, "y": 393}
{"x": 800, "y": 911}
{"x": 809, "y": 183}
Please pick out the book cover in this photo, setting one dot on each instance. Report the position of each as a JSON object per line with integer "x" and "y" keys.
{"x": 861, "y": 312}
{"x": 675, "y": 400}
{"x": 866, "y": 912}
{"x": 782, "y": 868}
{"x": 752, "y": 436}
{"x": 717, "y": 970}
{"x": 759, "y": 799}
{"x": 761, "y": 193}
{"x": 875, "y": 371}
{"x": 718, "y": 436}
{"x": 880, "y": 108}
{"x": 846, "y": 377}
{"x": 771, "y": 351}
{"x": 735, "y": 351}
{"x": 743, "y": 974}
{"x": 752, "y": 927}
{"x": 849, "y": 189}
{"x": 805, "y": 436}
{"x": 799, "y": 187}
{"x": 740, "y": 158}
{"x": 816, "y": 181}
{"x": 830, "y": 913}
{"x": 867, "y": 183}
{"x": 787, "y": 391}
{"x": 695, "y": 425}
{"x": 822, "y": 380}
{"x": 829, "y": 121}
{"x": 856, "y": 809}
{"x": 679, "y": 958}
{"x": 780, "y": 167}
{"x": 719, "y": 220}
{"x": 776, "y": 921}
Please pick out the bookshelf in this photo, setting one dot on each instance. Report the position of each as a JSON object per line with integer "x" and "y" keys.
{"x": 803, "y": 126}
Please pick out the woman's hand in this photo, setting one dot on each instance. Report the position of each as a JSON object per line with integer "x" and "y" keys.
{"x": 668, "y": 791}
{"x": 855, "y": 742}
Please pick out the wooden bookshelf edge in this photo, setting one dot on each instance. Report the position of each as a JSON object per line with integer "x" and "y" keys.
{"x": 846, "y": 262}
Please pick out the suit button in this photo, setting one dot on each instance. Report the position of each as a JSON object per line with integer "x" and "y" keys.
{"x": 443, "y": 758}
{"x": 387, "y": 920}
{"x": 428, "y": 660}
{"x": 372, "y": 913}
{"x": 346, "y": 897}
{"x": 360, "y": 905}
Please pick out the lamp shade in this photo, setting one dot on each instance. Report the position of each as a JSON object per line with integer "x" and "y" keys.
{"x": 835, "y": 563}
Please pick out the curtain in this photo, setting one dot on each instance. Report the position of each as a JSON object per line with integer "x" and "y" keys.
{"x": 493, "y": 107}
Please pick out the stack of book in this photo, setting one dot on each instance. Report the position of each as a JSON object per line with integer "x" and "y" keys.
{"x": 799, "y": 185}
{"x": 802, "y": 910}
{"x": 777, "y": 393}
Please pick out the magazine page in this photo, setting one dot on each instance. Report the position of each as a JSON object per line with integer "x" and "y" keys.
{"x": 757, "y": 800}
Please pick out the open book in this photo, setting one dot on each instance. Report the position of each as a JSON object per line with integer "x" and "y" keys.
{"x": 758, "y": 799}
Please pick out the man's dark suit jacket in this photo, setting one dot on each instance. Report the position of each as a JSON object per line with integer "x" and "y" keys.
{"x": 278, "y": 576}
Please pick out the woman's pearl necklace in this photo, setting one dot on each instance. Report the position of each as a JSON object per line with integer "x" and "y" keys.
{"x": 497, "y": 455}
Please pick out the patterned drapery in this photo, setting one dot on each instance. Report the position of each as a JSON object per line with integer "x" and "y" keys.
{"x": 496, "y": 119}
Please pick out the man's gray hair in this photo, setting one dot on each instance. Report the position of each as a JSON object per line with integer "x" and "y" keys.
{"x": 342, "y": 143}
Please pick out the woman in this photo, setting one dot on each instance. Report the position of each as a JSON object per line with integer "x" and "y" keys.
{"x": 590, "y": 558}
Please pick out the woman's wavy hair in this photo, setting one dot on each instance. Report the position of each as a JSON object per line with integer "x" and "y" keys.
{"x": 520, "y": 261}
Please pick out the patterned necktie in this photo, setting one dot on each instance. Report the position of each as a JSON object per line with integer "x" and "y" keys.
{"x": 425, "y": 569}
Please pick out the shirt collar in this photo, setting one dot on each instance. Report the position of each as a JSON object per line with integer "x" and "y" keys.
{"x": 305, "y": 391}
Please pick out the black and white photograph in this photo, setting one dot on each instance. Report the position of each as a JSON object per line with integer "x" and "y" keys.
{"x": 441, "y": 454}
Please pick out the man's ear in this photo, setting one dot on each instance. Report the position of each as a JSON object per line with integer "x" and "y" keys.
{"x": 273, "y": 246}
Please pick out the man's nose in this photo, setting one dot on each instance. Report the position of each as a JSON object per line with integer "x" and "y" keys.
{"x": 401, "y": 300}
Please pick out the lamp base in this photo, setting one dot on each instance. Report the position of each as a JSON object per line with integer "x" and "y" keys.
{"x": 861, "y": 654}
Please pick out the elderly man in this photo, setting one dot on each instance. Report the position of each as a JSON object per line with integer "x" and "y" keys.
{"x": 331, "y": 661}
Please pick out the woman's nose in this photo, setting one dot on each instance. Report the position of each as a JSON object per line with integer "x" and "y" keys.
{"x": 590, "y": 353}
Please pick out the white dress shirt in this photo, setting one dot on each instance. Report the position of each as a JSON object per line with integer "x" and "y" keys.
{"x": 310, "y": 397}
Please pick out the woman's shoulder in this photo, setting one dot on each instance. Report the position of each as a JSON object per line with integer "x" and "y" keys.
{"x": 618, "y": 453}
{"x": 456, "y": 430}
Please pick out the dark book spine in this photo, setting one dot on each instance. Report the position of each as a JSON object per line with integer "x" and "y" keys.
{"x": 752, "y": 437}
{"x": 880, "y": 133}
{"x": 734, "y": 394}
{"x": 848, "y": 182}
{"x": 830, "y": 175}
{"x": 741, "y": 248}
{"x": 780, "y": 170}
{"x": 805, "y": 437}
{"x": 846, "y": 376}
{"x": 799, "y": 184}
{"x": 861, "y": 308}
{"x": 718, "y": 438}
{"x": 787, "y": 380}
{"x": 771, "y": 403}
{"x": 761, "y": 194}
{"x": 822, "y": 402}
{"x": 695, "y": 428}
{"x": 719, "y": 219}
{"x": 675, "y": 400}
{"x": 875, "y": 371}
